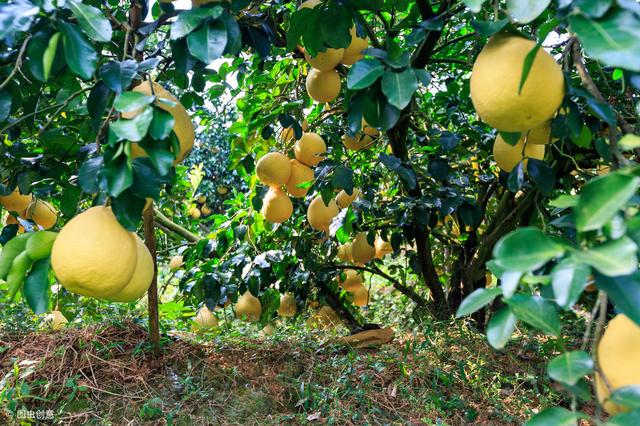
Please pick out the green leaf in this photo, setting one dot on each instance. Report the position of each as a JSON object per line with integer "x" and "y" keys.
{"x": 525, "y": 249}
{"x": 526, "y": 67}
{"x": 602, "y": 198}
{"x": 343, "y": 178}
{"x": 119, "y": 75}
{"x": 91, "y": 20}
{"x": 614, "y": 40}
{"x": 36, "y": 287}
{"x": 364, "y": 73}
{"x": 542, "y": 174}
{"x": 624, "y": 292}
{"x": 509, "y": 282}
{"x": 399, "y": 87}
{"x": 537, "y": 312}
{"x": 474, "y": 5}
{"x": 525, "y": 11}
{"x": 628, "y": 396}
{"x": 136, "y": 128}
{"x": 49, "y": 55}
{"x": 631, "y": 418}
{"x": 79, "y": 54}
{"x": 570, "y": 367}
{"x": 69, "y": 200}
{"x": 555, "y": 416}
{"x": 161, "y": 125}
{"x": 593, "y": 8}
{"x": 489, "y": 28}
{"x": 132, "y": 101}
{"x": 97, "y": 102}
{"x": 602, "y": 110}
{"x": 500, "y": 327}
{"x": 613, "y": 258}
{"x": 568, "y": 279}
{"x": 209, "y": 42}
{"x": 128, "y": 209}
{"x": 480, "y": 298}
{"x": 119, "y": 176}
{"x": 89, "y": 175}
{"x": 189, "y": 20}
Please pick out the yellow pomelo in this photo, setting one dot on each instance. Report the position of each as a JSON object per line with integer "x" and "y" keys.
{"x": 351, "y": 281}
{"x": 383, "y": 248}
{"x": 618, "y": 359}
{"x": 310, "y": 4}
{"x": 323, "y": 86}
{"x": 16, "y": 202}
{"x": 276, "y": 206}
{"x": 55, "y": 320}
{"x": 42, "y": 213}
{"x": 94, "y": 255}
{"x": 142, "y": 276}
{"x": 222, "y": 190}
{"x": 325, "y": 61}
{"x": 353, "y": 53}
{"x": 194, "y": 212}
{"x": 327, "y": 318}
{"x": 299, "y": 175}
{"x": 248, "y": 308}
{"x": 183, "y": 126}
{"x": 360, "y": 141}
{"x": 344, "y": 200}
{"x": 205, "y": 210}
{"x": 344, "y": 253}
{"x": 205, "y": 319}
{"x": 361, "y": 296}
{"x": 310, "y": 149}
{"x": 273, "y": 169}
{"x": 495, "y": 79}
{"x": 540, "y": 135}
{"x": 320, "y": 215}
{"x": 202, "y": 199}
{"x": 176, "y": 262}
{"x": 288, "y": 307}
{"x": 361, "y": 250}
{"x": 507, "y": 156}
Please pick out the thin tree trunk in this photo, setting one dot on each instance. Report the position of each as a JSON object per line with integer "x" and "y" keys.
{"x": 152, "y": 294}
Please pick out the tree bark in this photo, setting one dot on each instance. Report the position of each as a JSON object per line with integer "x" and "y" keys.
{"x": 152, "y": 294}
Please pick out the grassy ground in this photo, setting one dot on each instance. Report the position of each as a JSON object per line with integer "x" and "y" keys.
{"x": 432, "y": 373}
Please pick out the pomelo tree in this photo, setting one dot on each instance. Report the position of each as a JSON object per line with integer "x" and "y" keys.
{"x": 478, "y": 156}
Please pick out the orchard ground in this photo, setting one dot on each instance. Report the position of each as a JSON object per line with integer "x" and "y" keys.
{"x": 433, "y": 372}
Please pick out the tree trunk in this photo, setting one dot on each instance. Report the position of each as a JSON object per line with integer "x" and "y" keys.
{"x": 152, "y": 294}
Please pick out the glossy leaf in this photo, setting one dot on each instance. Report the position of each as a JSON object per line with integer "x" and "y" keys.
{"x": 209, "y": 42}
{"x": 537, "y": 312}
{"x": 36, "y": 286}
{"x": 614, "y": 39}
{"x": 602, "y": 198}
{"x": 91, "y": 20}
{"x": 478, "y": 299}
{"x": 364, "y": 73}
{"x": 624, "y": 292}
{"x": 525, "y": 11}
{"x": 570, "y": 367}
{"x": 525, "y": 249}
{"x": 613, "y": 258}
{"x": 399, "y": 87}
{"x": 569, "y": 278}
{"x": 500, "y": 327}
{"x": 81, "y": 57}
{"x": 555, "y": 416}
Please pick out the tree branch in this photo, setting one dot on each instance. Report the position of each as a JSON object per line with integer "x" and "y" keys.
{"x": 18, "y": 63}
{"x": 174, "y": 227}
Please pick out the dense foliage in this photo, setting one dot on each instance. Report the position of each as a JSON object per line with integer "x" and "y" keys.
{"x": 467, "y": 238}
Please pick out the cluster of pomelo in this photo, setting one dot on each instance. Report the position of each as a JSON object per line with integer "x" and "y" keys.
{"x": 95, "y": 256}
{"x": 323, "y": 80}
{"x": 200, "y": 208}
{"x": 27, "y": 207}
{"x": 276, "y": 170}
{"x": 501, "y": 102}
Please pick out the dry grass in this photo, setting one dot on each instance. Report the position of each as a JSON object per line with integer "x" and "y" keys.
{"x": 107, "y": 374}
